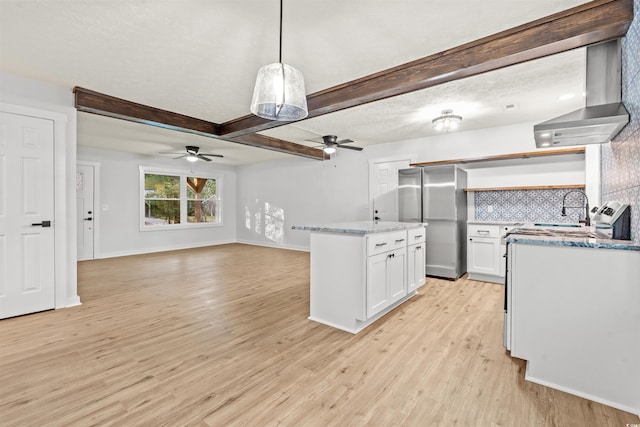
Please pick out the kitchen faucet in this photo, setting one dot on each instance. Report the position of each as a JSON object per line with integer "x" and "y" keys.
{"x": 587, "y": 220}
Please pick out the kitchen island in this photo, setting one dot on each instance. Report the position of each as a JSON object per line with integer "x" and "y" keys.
{"x": 573, "y": 313}
{"x": 362, "y": 270}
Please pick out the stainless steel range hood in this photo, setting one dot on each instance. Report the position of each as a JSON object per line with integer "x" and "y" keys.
{"x": 604, "y": 115}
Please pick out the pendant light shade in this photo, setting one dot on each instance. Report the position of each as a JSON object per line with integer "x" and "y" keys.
{"x": 279, "y": 93}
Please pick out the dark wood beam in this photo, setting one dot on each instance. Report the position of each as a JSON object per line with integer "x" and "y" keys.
{"x": 105, "y": 105}
{"x": 590, "y": 23}
{"x": 267, "y": 142}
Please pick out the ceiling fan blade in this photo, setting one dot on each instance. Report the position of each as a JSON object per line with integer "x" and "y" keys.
{"x": 169, "y": 152}
{"x": 348, "y": 147}
{"x": 344, "y": 141}
{"x": 201, "y": 157}
{"x": 211, "y": 155}
{"x": 179, "y": 157}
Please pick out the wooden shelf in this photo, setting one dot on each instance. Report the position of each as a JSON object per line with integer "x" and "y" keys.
{"x": 526, "y": 155}
{"x": 531, "y": 187}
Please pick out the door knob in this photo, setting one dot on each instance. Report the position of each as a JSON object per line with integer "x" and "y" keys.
{"x": 88, "y": 219}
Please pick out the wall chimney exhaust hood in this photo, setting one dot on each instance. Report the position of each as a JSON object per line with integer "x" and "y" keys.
{"x": 604, "y": 115}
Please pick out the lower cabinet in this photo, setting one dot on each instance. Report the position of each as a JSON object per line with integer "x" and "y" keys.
{"x": 485, "y": 251}
{"x": 386, "y": 280}
{"x": 483, "y": 255}
{"x": 416, "y": 260}
{"x": 356, "y": 279}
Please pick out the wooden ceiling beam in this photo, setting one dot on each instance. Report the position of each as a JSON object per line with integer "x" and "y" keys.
{"x": 589, "y": 23}
{"x": 105, "y": 105}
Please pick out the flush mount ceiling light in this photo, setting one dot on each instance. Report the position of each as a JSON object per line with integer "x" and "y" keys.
{"x": 446, "y": 121}
{"x": 279, "y": 93}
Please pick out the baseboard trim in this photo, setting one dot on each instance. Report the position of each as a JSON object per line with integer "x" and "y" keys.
{"x": 587, "y": 396}
{"x": 104, "y": 255}
{"x": 269, "y": 245}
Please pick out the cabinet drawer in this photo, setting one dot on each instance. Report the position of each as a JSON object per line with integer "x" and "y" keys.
{"x": 479, "y": 230}
{"x": 383, "y": 242}
{"x": 416, "y": 235}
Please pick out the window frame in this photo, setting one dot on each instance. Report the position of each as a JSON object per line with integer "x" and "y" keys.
{"x": 184, "y": 197}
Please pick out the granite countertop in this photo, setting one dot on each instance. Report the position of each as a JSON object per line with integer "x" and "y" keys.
{"x": 480, "y": 222}
{"x": 572, "y": 241}
{"x": 360, "y": 227}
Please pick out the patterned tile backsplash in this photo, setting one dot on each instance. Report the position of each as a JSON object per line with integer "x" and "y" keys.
{"x": 621, "y": 158}
{"x": 528, "y": 206}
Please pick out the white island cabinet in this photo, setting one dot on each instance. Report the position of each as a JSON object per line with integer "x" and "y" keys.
{"x": 360, "y": 271}
{"x": 573, "y": 307}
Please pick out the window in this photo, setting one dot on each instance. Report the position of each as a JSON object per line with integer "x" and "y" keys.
{"x": 173, "y": 199}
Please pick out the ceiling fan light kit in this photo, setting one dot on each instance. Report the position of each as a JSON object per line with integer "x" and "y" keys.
{"x": 279, "y": 93}
{"x": 193, "y": 154}
{"x": 446, "y": 121}
{"x": 329, "y": 150}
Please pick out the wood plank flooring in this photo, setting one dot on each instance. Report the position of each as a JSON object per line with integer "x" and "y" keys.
{"x": 219, "y": 336}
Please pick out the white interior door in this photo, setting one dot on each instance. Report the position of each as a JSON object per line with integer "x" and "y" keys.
{"x": 383, "y": 188}
{"x": 27, "y": 281}
{"x": 85, "y": 210}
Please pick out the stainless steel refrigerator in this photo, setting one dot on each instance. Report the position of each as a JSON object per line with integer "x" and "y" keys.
{"x": 435, "y": 195}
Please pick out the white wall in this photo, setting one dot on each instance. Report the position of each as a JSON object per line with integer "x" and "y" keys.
{"x": 565, "y": 172}
{"x": 117, "y": 216}
{"x": 24, "y": 92}
{"x": 312, "y": 192}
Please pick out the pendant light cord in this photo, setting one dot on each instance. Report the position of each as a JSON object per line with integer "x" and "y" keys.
{"x": 280, "y": 55}
{"x": 279, "y": 106}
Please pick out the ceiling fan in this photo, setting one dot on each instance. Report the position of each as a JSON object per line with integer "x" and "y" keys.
{"x": 330, "y": 143}
{"x": 193, "y": 154}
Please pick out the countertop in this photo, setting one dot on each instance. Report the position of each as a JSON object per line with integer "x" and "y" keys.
{"x": 581, "y": 242}
{"x": 360, "y": 227}
{"x": 480, "y": 222}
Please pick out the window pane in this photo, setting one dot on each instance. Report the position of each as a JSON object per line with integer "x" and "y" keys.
{"x": 200, "y": 188}
{"x": 201, "y": 200}
{"x": 201, "y": 210}
{"x": 161, "y": 186}
{"x": 161, "y": 212}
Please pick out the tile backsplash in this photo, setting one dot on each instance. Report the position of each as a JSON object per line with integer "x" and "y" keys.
{"x": 543, "y": 205}
{"x": 621, "y": 158}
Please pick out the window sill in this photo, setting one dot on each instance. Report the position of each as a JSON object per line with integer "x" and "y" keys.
{"x": 181, "y": 226}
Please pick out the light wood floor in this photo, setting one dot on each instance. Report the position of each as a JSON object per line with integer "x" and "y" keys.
{"x": 219, "y": 336}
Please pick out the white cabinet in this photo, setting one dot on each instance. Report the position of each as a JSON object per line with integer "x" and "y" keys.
{"x": 356, "y": 278}
{"x": 416, "y": 260}
{"x": 485, "y": 252}
{"x": 386, "y": 280}
{"x": 573, "y": 315}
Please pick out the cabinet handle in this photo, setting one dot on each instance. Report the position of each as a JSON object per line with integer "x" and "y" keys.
{"x": 418, "y": 236}
{"x": 399, "y": 240}
{"x": 418, "y": 247}
{"x": 470, "y": 239}
{"x": 391, "y": 256}
{"x": 380, "y": 244}
{"x": 484, "y": 231}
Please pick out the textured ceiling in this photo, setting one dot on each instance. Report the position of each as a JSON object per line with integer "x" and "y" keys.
{"x": 200, "y": 58}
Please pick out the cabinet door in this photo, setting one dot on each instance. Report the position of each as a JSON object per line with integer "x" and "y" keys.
{"x": 483, "y": 256}
{"x": 377, "y": 297}
{"x": 397, "y": 275}
{"x": 415, "y": 267}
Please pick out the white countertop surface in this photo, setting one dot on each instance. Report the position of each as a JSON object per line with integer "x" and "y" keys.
{"x": 360, "y": 227}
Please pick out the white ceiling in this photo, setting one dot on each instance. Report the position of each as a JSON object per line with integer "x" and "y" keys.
{"x": 200, "y": 58}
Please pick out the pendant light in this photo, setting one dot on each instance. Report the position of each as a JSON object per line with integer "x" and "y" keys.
{"x": 446, "y": 121}
{"x": 279, "y": 93}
